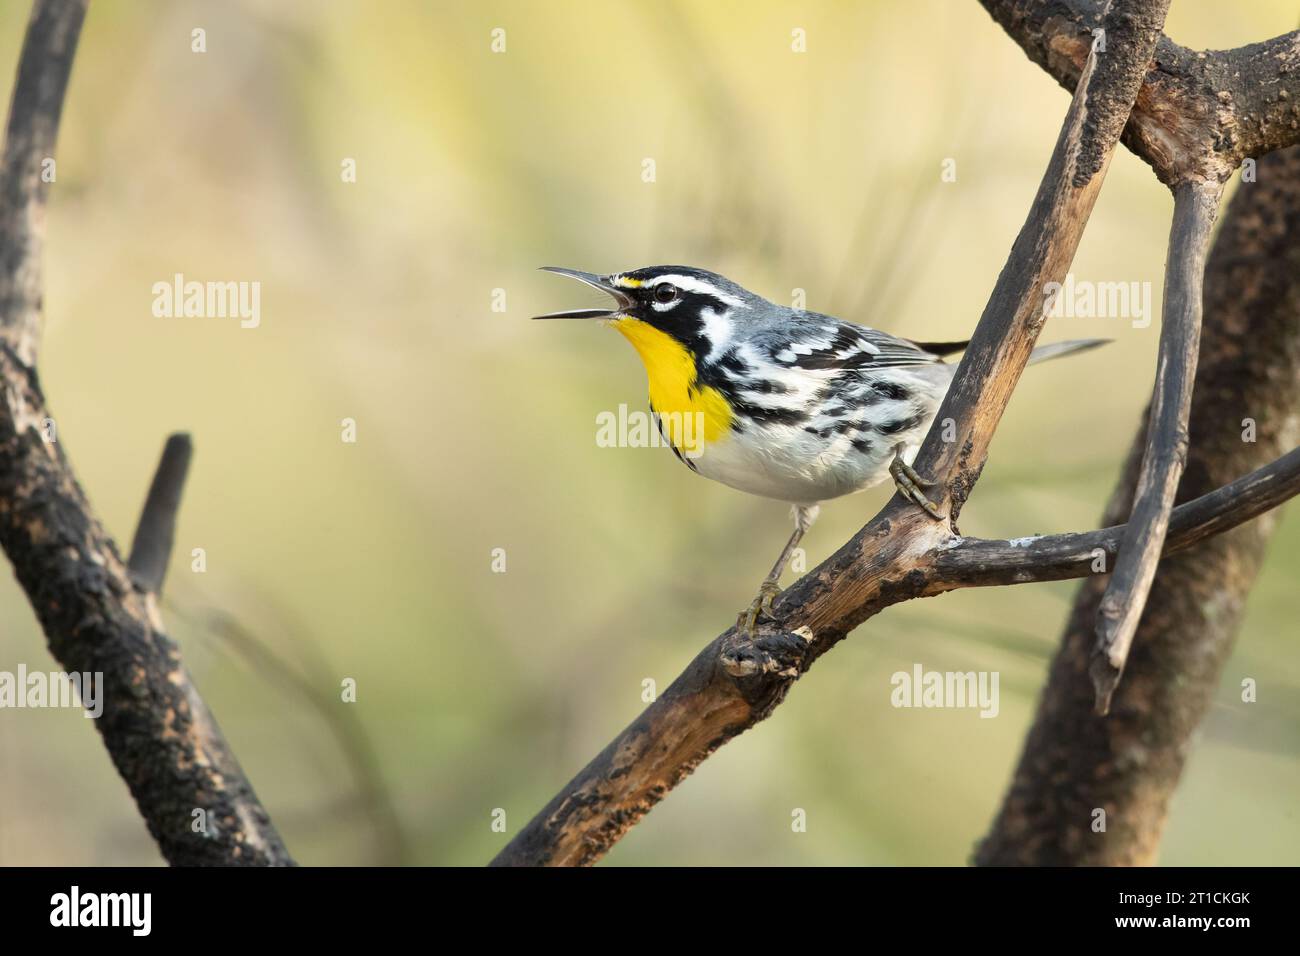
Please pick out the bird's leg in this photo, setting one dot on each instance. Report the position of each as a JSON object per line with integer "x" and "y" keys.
{"x": 909, "y": 485}
{"x": 804, "y": 516}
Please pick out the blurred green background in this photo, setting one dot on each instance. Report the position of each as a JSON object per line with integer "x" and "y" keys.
{"x": 476, "y": 429}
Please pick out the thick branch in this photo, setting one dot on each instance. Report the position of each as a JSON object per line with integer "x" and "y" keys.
{"x": 152, "y": 547}
{"x": 1198, "y": 115}
{"x": 189, "y": 788}
{"x": 1245, "y": 411}
{"x": 734, "y": 683}
{"x": 1041, "y": 256}
{"x": 1195, "y": 208}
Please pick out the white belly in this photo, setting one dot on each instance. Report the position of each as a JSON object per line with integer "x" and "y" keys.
{"x": 788, "y": 464}
{"x": 844, "y": 445}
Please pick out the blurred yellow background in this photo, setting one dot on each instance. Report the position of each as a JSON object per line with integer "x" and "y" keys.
{"x": 476, "y": 429}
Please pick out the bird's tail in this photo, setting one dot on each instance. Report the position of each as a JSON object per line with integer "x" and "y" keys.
{"x": 1057, "y": 349}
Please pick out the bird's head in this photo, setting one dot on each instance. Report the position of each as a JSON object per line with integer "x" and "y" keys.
{"x": 694, "y": 307}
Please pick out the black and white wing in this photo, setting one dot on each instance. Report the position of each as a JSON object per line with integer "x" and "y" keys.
{"x": 824, "y": 342}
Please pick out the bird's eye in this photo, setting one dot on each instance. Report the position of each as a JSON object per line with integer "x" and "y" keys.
{"x": 665, "y": 292}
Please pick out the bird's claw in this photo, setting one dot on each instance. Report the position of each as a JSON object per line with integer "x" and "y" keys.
{"x": 909, "y": 485}
{"x": 761, "y": 606}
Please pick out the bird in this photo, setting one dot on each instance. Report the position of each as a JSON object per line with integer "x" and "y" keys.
{"x": 779, "y": 402}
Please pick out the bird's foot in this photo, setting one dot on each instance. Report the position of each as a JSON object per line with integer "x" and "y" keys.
{"x": 909, "y": 485}
{"x": 761, "y": 607}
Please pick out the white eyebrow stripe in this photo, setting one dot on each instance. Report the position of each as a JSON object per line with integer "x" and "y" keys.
{"x": 692, "y": 284}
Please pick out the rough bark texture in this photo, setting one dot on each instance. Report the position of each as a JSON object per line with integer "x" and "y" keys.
{"x": 1198, "y": 114}
{"x": 1129, "y": 763}
{"x": 159, "y": 733}
{"x": 96, "y": 619}
{"x": 1131, "y": 32}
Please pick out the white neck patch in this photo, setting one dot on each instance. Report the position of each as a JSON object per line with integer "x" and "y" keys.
{"x": 718, "y": 329}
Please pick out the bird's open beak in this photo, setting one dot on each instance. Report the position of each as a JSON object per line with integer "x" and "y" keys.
{"x": 596, "y": 282}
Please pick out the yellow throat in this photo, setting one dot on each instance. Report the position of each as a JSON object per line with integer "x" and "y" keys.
{"x": 674, "y": 389}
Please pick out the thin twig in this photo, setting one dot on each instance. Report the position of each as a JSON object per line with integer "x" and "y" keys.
{"x": 1195, "y": 208}
{"x": 321, "y": 691}
{"x": 976, "y": 562}
{"x": 152, "y": 547}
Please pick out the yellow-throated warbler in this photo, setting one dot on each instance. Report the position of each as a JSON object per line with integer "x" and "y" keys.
{"x": 779, "y": 402}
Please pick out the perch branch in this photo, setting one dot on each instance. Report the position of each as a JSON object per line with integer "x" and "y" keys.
{"x": 735, "y": 682}
{"x": 1195, "y": 208}
{"x": 1041, "y": 256}
{"x": 157, "y": 729}
{"x": 732, "y": 684}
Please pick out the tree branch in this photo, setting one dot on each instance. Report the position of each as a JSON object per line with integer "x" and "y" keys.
{"x": 1195, "y": 208}
{"x": 1198, "y": 114}
{"x": 1245, "y": 411}
{"x": 33, "y": 128}
{"x": 976, "y": 562}
{"x": 152, "y": 547}
{"x": 734, "y": 683}
{"x": 156, "y": 727}
{"x": 676, "y": 733}
{"x": 1041, "y": 256}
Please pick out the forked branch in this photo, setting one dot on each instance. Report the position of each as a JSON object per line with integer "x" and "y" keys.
{"x": 1245, "y": 413}
{"x": 1199, "y": 115}
{"x": 162, "y": 738}
{"x": 975, "y": 562}
{"x": 735, "y": 682}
